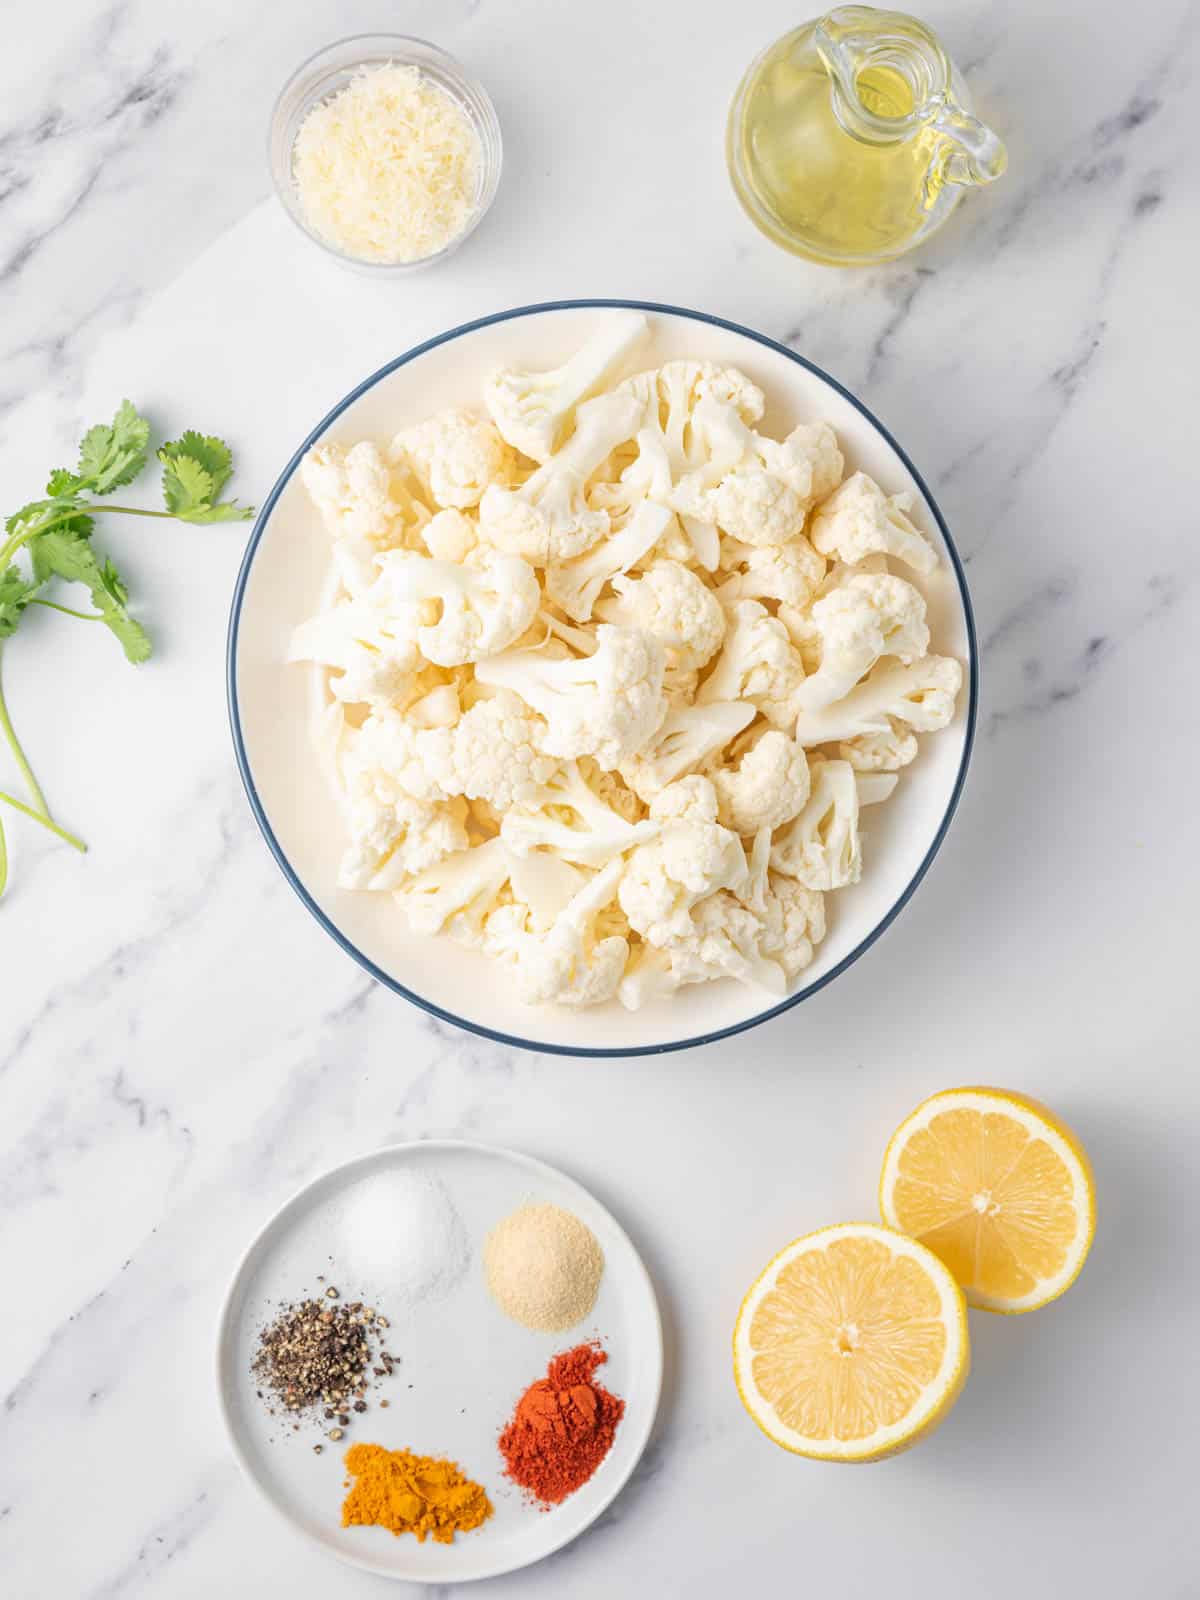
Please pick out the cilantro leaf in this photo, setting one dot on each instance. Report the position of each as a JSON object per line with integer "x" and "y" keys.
{"x": 65, "y": 554}
{"x": 63, "y": 482}
{"x": 112, "y": 454}
{"x": 213, "y": 454}
{"x": 15, "y": 594}
{"x": 187, "y": 487}
{"x": 196, "y": 468}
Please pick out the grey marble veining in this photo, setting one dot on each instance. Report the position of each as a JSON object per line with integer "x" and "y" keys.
{"x": 181, "y": 1047}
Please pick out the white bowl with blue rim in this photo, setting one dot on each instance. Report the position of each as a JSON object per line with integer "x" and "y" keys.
{"x": 280, "y": 584}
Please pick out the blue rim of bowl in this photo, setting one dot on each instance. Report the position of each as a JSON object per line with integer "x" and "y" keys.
{"x": 276, "y": 849}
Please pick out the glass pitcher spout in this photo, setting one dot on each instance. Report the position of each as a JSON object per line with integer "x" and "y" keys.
{"x": 893, "y": 82}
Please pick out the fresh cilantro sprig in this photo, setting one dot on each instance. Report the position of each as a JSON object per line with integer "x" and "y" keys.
{"x": 51, "y": 539}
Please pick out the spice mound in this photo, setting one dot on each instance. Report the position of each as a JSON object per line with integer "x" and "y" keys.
{"x": 404, "y": 1493}
{"x": 543, "y": 1267}
{"x": 406, "y": 1232}
{"x": 318, "y": 1353}
{"x": 563, "y": 1427}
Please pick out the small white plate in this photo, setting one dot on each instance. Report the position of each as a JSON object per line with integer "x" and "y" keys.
{"x": 461, "y": 1363}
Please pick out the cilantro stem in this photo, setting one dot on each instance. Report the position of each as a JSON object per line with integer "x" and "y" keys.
{"x": 8, "y": 551}
{"x": 130, "y": 511}
{"x": 14, "y": 744}
{"x": 46, "y": 822}
{"x": 68, "y": 611}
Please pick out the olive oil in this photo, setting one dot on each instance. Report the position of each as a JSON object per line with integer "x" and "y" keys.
{"x": 845, "y": 142}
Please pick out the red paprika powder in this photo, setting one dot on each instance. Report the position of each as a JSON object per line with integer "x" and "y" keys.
{"x": 562, "y": 1428}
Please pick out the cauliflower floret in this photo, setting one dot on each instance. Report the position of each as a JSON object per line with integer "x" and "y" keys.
{"x": 767, "y": 788}
{"x": 375, "y": 654}
{"x": 754, "y": 488}
{"x": 495, "y": 754}
{"x": 392, "y": 834}
{"x": 359, "y": 496}
{"x": 456, "y": 455}
{"x": 820, "y": 847}
{"x": 880, "y": 752}
{"x": 809, "y": 459}
{"x": 450, "y": 536}
{"x": 548, "y": 517}
{"x": 664, "y": 879}
{"x": 668, "y": 398}
{"x": 728, "y": 939}
{"x": 484, "y": 608}
{"x": 673, "y": 605}
{"x": 532, "y": 410}
{"x": 458, "y": 893}
{"x": 724, "y": 941}
{"x": 671, "y": 448}
{"x": 758, "y": 663}
{"x": 690, "y": 799}
{"x": 491, "y": 753}
{"x": 789, "y": 573}
{"x": 859, "y": 519}
{"x": 688, "y": 737}
{"x": 859, "y": 622}
{"x": 567, "y": 817}
{"x": 757, "y": 508}
{"x": 574, "y": 963}
{"x": 607, "y": 705}
{"x": 793, "y": 923}
{"x": 921, "y": 696}
{"x": 576, "y": 585}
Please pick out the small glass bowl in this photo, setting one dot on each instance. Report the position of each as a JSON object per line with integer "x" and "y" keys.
{"x": 323, "y": 74}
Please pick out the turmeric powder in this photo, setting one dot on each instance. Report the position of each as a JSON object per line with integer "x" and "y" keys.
{"x": 406, "y": 1493}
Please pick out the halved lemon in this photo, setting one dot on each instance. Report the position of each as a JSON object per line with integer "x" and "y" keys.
{"x": 852, "y": 1344}
{"x": 997, "y": 1187}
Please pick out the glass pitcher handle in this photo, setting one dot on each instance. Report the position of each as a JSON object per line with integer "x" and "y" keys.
{"x": 971, "y": 153}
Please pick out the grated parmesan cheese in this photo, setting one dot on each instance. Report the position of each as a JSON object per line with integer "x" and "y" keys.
{"x": 387, "y": 169}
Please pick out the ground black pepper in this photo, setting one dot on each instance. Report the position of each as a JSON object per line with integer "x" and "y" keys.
{"x": 314, "y": 1354}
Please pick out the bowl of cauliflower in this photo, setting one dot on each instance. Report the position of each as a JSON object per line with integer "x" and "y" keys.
{"x": 602, "y": 677}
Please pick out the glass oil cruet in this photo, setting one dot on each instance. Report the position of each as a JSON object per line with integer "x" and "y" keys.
{"x": 851, "y": 139}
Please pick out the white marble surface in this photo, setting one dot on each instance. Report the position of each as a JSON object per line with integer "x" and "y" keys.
{"x": 180, "y": 1045}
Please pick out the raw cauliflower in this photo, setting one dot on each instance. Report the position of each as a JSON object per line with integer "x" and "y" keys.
{"x": 574, "y": 962}
{"x": 456, "y": 455}
{"x": 860, "y": 520}
{"x": 358, "y": 495}
{"x": 671, "y": 603}
{"x": 692, "y": 857}
{"x": 606, "y": 705}
{"x": 767, "y": 788}
{"x": 758, "y": 663}
{"x": 608, "y": 673}
{"x": 548, "y": 517}
{"x": 820, "y": 847}
{"x": 479, "y": 609}
{"x": 859, "y": 622}
{"x": 790, "y": 573}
